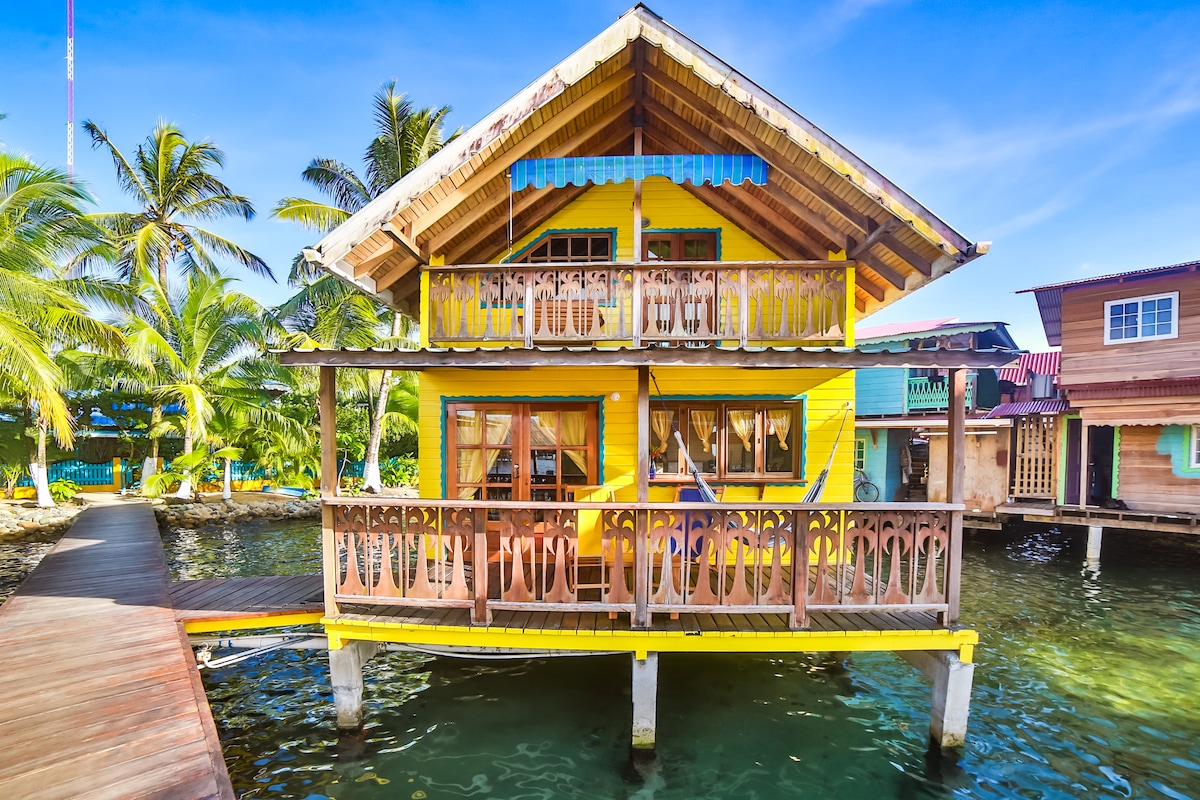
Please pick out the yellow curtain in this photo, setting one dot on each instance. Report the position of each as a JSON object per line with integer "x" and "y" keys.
{"x": 702, "y": 423}
{"x": 543, "y": 431}
{"x": 498, "y": 426}
{"x": 742, "y": 422}
{"x": 660, "y": 423}
{"x": 574, "y": 432}
{"x": 469, "y": 432}
{"x": 781, "y": 421}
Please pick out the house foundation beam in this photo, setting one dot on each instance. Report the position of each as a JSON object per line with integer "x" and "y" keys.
{"x": 346, "y": 677}
{"x": 645, "y": 700}
{"x": 951, "y": 704}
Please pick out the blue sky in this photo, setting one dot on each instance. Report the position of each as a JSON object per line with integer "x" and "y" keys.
{"x": 1068, "y": 134}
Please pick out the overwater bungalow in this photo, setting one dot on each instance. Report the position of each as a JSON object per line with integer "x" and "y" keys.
{"x": 637, "y": 284}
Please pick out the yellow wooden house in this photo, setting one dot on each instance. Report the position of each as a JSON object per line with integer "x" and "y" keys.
{"x": 641, "y": 269}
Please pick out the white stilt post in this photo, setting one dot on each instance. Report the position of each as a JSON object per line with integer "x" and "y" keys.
{"x": 951, "y": 694}
{"x": 1095, "y": 534}
{"x": 645, "y": 700}
{"x": 345, "y": 673}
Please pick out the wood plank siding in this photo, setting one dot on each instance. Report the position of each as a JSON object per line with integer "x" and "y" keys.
{"x": 1088, "y": 360}
{"x": 1150, "y": 479}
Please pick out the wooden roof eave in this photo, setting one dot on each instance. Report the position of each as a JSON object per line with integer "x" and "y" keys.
{"x": 766, "y": 358}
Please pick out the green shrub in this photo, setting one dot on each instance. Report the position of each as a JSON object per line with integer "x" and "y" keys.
{"x": 62, "y": 490}
{"x": 10, "y": 474}
{"x": 398, "y": 471}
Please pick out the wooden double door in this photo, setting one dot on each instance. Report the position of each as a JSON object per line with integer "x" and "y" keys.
{"x": 538, "y": 452}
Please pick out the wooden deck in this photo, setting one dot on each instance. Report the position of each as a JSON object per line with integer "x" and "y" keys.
{"x": 1123, "y": 519}
{"x": 221, "y": 604}
{"x": 99, "y": 692}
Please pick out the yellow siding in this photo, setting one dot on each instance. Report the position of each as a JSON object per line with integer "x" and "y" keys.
{"x": 665, "y": 205}
{"x": 825, "y": 392}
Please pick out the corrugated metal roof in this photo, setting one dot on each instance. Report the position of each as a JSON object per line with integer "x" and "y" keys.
{"x": 1187, "y": 266}
{"x": 1028, "y": 407}
{"x": 898, "y": 328}
{"x": 1038, "y": 363}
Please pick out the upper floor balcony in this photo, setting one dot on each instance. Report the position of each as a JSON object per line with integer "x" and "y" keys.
{"x": 631, "y": 304}
{"x": 933, "y": 394}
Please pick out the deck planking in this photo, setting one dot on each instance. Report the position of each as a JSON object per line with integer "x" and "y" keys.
{"x": 245, "y": 599}
{"x": 99, "y": 692}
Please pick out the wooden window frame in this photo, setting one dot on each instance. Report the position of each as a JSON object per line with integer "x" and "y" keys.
{"x": 677, "y": 239}
{"x": 521, "y": 444}
{"x": 547, "y": 239}
{"x": 682, "y": 410}
{"x": 1194, "y": 448}
{"x": 860, "y": 459}
{"x": 1173, "y": 334}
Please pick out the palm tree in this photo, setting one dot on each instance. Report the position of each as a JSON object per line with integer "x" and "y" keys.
{"x": 198, "y": 346}
{"x": 41, "y": 315}
{"x": 172, "y": 180}
{"x": 404, "y": 140}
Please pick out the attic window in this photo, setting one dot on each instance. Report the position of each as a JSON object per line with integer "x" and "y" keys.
{"x": 568, "y": 248}
{"x": 1137, "y": 319}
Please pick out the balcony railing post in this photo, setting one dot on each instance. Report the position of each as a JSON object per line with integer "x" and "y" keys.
{"x": 639, "y": 306}
{"x": 481, "y": 614}
{"x": 799, "y": 616}
{"x": 529, "y": 315}
{"x": 641, "y": 569}
{"x": 743, "y": 306}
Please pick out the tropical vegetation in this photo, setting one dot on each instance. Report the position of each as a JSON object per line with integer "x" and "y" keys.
{"x": 128, "y": 322}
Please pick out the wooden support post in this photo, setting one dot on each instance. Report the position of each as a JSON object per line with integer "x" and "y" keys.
{"x": 645, "y": 700}
{"x": 1085, "y": 464}
{"x": 481, "y": 615}
{"x": 951, "y": 705}
{"x": 327, "y": 412}
{"x": 956, "y": 470}
{"x": 798, "y": 619}
{"x": 641, "y": 580}
{"x": 1095, "y": 535}
{"x": 345, "y": 676}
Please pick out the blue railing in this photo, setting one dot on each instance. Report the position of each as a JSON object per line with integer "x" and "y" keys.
{"x": 933, "y": 394}
{"x": 80, "y": 472}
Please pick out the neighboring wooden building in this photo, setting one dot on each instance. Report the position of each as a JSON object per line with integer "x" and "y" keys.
{"x": 1131, "y": 372}
{"x": 642, "y": 242}
{"x": 900, "y": 425}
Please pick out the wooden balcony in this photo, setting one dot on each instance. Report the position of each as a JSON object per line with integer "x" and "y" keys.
{"x": 622, "y": 304}
{"x": 731, "y": 561}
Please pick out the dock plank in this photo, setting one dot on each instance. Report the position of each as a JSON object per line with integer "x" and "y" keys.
{"x": 101, "y": 694}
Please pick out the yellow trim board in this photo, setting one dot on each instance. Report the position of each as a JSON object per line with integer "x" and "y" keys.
{"x": 341, "y": 631}
{"x": 253, "y": 623}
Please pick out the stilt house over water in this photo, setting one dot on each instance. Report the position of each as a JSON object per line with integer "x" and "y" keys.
{"x": 642, "y": 263}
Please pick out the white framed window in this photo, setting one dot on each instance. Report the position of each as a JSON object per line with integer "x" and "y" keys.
{"x": 1137, "y": 319}
{"x": 1194, "y": 449}
{"x": 860, "y": 455}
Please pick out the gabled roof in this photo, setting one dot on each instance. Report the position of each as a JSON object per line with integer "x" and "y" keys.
{"x": 1049, "y": 297}
{"x": 820, "y": 196}
{"x": 944, "y": 333}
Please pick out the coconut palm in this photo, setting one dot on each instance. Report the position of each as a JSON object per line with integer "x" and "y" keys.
{"x": 41, "y": 226}
{"x": 172, "y": 180}
{"x": 404, "y": 140}
{"x": 197, "y": 346}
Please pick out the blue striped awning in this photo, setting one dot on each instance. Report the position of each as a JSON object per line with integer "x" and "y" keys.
{"x": 693, "y": 169}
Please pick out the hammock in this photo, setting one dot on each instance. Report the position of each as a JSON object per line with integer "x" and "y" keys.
{"x": 813, "y": 495}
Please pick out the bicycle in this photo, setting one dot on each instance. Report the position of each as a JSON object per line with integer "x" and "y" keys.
{"x": 864, "y": 490}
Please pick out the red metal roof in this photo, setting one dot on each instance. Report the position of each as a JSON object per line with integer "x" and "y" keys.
{"x": 1028, "y": 407}
{"x": 1037, "y": 363}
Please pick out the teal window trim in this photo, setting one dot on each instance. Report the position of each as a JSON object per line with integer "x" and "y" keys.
{"x": 612, "y": 247}
{"x": 448, "y": 399}
{"x": 1193, "y": 461}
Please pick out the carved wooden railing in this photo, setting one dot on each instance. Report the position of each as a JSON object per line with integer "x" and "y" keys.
{"x": 632, "y": 304}
{"x": 649, "y": 558}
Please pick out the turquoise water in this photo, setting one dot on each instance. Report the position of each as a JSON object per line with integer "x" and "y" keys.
{"x": 1087, "y": 686}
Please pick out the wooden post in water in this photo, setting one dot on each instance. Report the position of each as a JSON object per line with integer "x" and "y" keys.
{"x": 645, "y": 700}
{"x": 956, "y": 470}
{"x": 951, "y": 694}
{"x": 641, "y": 557}
{"x": 345, "y": 676}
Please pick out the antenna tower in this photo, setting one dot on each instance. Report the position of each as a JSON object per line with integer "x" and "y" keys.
{"x": 70, "y": 87}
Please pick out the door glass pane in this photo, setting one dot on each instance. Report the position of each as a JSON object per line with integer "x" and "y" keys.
{"x": 543, "y": 428}
{"x": 543, "y": 496}
{"x": 702, "y": 440}
{"x": 499, "y": 427}
{"x": 544, "y": 467}
{"x": 739, "y": 440}
{"x": 574, "y": 427}
{"x": 469, "y": 427}
{"x": 574, "y": 466}
{"x": 499, "y": 466}
{"x": 470, "y": 465}
{"x": 696, "y": 250}
{"x": 659, "y": 249}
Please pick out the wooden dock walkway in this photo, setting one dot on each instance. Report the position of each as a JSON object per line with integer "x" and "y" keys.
{"x": 99, "y": 692}
{"x": 227, "y": 604}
